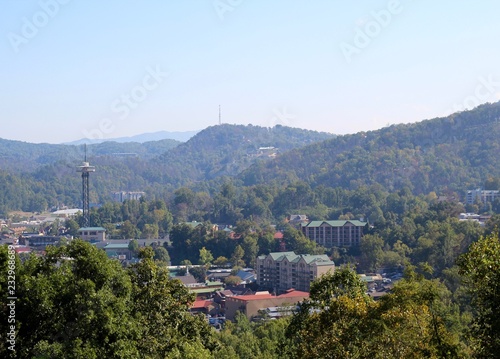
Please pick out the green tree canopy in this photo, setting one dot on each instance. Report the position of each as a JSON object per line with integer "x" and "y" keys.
{"x": 340, "y": 321}
{"x": 480, "y": 268}
{"x": 161, "y": 254}
{"x": 76, "y": 303}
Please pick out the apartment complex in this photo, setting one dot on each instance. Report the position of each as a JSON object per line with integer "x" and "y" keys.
{"x": 334, "y": 233}
{"x": 281, "y": 271}
{"x": 122, "y": 196}
{"x": 483, "y": 195}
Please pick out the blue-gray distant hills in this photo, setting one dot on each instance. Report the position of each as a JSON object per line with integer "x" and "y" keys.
{"x": 181, "y": 136}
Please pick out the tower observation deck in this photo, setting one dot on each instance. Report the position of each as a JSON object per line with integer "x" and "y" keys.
{"x": 85, "y": 169}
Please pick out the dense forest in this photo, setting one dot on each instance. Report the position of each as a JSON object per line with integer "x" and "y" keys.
{"x": 452, "y": 153}
{"x": 45, "y": 175}
{"x": 91, "y": 307}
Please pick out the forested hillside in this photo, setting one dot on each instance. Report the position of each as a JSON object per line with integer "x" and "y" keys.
{"x": 227, "y": 150}
{"x": 456, "y": 152}
{"x": 46, "y": 174}
{"x": 18, "y": 157}
{"x": 440, "y": 155}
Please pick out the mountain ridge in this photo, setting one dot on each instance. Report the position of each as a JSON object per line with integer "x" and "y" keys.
{"x": 181, "y": 136}
{"x": 424, "y": 156}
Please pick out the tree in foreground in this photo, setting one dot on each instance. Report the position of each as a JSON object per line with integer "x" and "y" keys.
{"x": 340, "y": 321}
{"x": 245, "y": 339}
{"x": 480, "y": 269}
{"x": 76, "y": 303}
{"x": 161, "y": 306}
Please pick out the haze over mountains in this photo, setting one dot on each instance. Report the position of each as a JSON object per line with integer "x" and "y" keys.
{"x": 443, "y": 154}
{"x": 181, "y": 136}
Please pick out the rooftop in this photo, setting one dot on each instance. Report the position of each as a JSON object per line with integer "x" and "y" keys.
{"x": 291, "y": 293}
{"x": 319, "y": 259}
{"x": 116, "y": 246}
{"x": 338, "y": 223}
{"x": 96, "y": 229}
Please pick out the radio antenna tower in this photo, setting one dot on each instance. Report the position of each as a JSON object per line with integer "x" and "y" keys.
{"x": 220, "y": 122}
{"x": 85, "y": 169}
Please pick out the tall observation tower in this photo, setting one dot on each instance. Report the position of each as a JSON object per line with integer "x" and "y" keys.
{"x": 85, "y": 169}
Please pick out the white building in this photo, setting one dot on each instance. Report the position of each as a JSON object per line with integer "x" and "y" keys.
{"x": 122, "y": 196}
{"x": 483, "y": 195}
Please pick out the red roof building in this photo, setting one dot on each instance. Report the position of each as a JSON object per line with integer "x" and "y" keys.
{"x": 251, "y": 304}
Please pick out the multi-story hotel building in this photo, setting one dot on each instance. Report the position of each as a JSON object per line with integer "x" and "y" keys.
{"x": 334, "y": 233}
{"x": 483, "y": 195}
{"x": 122, "y": 196}
{"x": 281, "y": 271}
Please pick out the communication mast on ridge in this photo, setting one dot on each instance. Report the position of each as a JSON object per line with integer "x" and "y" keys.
{"x": 85, "y": 169}
{"x": 220, "y": 122}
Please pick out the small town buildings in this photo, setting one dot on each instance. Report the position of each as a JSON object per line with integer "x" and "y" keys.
{"x": 206, "y": 289}
{"x": 221, "y": 295}
{"x": 66, "y": 213}
{"x": 250, "y": 305}
{"x": 40, "y": 241}
{"x": 93, "y": 234}
{"x": 118, "y": 250}
{"x": 247, "y": 276}
{"x": 335, "y": 233}
{"x": 474, "y": 217}
{"x": 281, "y": 271}
{"x": 188, "y": 280}
{"x": 203, "y": 306}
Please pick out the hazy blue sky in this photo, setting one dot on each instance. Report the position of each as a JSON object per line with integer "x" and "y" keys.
{"x": 86, "y": 68}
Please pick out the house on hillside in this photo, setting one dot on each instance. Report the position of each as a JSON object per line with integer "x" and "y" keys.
{"x": 298, "y": 219}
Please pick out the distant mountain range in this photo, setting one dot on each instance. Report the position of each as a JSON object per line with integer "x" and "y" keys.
{"x": 181, "y": 136}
